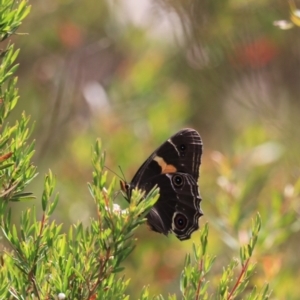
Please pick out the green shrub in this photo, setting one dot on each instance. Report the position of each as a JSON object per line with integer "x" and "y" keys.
{"x": 43, "y": 262}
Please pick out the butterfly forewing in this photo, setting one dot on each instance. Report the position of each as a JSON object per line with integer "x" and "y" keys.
{"x": 181, "y": 152}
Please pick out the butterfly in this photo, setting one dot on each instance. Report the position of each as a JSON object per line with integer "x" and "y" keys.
{"x": 174, "y": 168}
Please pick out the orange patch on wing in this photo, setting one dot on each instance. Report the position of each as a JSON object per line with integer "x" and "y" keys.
{"x": 165, "y": 168}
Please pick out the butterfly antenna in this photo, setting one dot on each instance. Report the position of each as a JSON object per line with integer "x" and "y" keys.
{"x": 122, "y": 173}
{"x": 114, "y": 172}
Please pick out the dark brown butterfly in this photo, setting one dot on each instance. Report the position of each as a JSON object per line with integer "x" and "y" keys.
{"x": 174, "y": 168}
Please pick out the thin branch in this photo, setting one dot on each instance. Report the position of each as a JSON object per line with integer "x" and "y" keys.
{"x": 244, "y": 268}
{"x": 200, "y": 280}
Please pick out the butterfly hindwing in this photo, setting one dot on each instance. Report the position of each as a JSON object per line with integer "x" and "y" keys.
{"x": 178, "y": 207}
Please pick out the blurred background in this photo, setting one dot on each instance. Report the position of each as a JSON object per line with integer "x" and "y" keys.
{"x": 135, "y": 72}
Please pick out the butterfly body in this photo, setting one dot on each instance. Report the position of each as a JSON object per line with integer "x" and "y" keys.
{"x": 174, "y": 169}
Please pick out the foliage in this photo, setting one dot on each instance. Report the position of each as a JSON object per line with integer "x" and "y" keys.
{"x": 195, "y": 283}
{"x": 46, "y": 263}
{"x": 42, "y": 260}
{"x": 16, "y": 168}
{"x": 82, "y": 263}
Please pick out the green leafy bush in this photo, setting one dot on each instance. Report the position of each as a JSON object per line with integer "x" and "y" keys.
{"x": 41, "y": 261}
